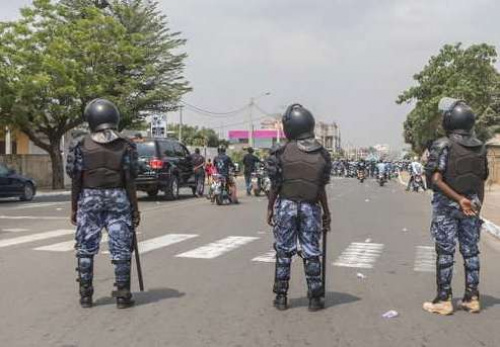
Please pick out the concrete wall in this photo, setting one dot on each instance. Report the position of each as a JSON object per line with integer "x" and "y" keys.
{"x": 37, "y": 167}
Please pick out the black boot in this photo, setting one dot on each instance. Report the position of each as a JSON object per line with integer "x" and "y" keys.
{"x": 281, "y": 289}
{"x": 315, "y": 290}
{"x": 122, "y": 293}
{"x": 85, "y": 271}
{"x": 281, "y": 302}
{"x": 316, "y": 303}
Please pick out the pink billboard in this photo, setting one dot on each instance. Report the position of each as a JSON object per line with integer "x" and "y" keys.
{"x": 257, "y": 134}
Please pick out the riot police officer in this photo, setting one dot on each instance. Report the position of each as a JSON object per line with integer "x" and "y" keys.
{"x": 457, "y": 168}
{"x": 298, "y": 207}
{"x": 102, "y": 166}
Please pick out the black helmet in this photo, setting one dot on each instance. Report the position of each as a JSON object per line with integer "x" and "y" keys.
{"x": 298, "y": 123}
{"x": 250, "y": 150}
{"x": 101, "y": 114}
{"x": 459, "y": 117}
{"x": 221, "y": 149}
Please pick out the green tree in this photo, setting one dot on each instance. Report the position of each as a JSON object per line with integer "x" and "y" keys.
{"x": 53, "y": 62}
{"x": 462, "y": 73}
{"x": 195, "y": 136}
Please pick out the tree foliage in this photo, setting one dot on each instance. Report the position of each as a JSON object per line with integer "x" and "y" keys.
{"x": 54, "y": 60}
{"x": 195, "y": 136}
{"x": 458, "y": 72}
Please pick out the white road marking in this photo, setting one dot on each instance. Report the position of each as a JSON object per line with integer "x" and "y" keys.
{"x": 160, "y": 242}
{"x": 33, "y": 218}
{"x": 269, "y": 257}
{"x": 14, "y": 230}
{"x": 360, "y": 255}
{"x": 65, "y": 246}
{"x": 218, "y": 248}
{"x": 425, "y": 259}
{"x": 36, "y": 237}
{"x": 163, "y": 241}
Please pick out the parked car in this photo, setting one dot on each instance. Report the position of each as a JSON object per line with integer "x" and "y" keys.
{"x": 14, "y": 185}
{"x": 164, "y": 165}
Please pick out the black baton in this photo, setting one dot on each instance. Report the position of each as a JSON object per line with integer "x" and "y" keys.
{"x": 138, "y": 261}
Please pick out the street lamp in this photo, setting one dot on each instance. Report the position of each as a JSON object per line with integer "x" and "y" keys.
{"x": 250, "y": 116}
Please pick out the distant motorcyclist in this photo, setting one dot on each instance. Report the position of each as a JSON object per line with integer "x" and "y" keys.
{"x": 223, "y": 164}
{"x": 415, "y": 169}
{"x": 250, "y": 161}
{"x": 381, "y": 168}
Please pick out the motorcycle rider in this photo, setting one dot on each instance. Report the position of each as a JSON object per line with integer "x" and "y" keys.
{"x": 416, "y": 169}
{"x": 381, "y": 169}
{"x": 299, "y": 171}
{"x": 102, "y": 166}
{"x": 199, "y": 171}
{"x": 457, "y": 168}
{"x": 250, "y": 161}
{"x": 223, "y": 164}
{"x": 361, "y": 167}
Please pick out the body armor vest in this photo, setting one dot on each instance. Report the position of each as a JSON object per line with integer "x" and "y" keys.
{"x": 466, "y": 169}
{"x": 302, "y": 174}
{"x": 103, "y": 164}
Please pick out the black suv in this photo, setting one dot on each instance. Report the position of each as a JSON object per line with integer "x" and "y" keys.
{"x": 164, "y": 165}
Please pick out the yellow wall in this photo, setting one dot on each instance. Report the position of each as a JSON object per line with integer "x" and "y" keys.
{"x": 23, "y": 143}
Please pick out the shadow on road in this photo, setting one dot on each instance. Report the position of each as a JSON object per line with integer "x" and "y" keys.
{"x": 488, "y": 301}
{"x": 144, "y": 298}
{"x": 332, "y": 299}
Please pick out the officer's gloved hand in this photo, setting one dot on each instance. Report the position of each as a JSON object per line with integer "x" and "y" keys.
{"x": 136, "y": 219}
{"x": 327, "y": 221}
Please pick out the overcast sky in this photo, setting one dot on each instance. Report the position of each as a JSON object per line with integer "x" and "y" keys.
{"x": 346, "y": 60}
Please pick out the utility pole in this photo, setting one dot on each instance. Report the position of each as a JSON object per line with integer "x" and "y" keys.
{"x": 250, "y": 117}
{"x": 8, "y": 141}
{"x": 180, "y": 123}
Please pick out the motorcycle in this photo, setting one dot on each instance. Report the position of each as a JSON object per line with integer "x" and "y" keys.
{"x": 417, "y": 183}
{"x": 219, "y": 191}
{"x": 257, "y": 182}
{"x": 361, "y": 176}
{"x": 381, "y": 179}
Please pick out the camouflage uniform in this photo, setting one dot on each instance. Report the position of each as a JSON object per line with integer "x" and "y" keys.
{"x": 448, "y": 224}
{"x": 297, "y": 221}
{"x": 99, "y": 209}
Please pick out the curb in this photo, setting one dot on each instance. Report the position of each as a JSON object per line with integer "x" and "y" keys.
{"x": 49, "y": 194}
{"x": 488, "y": 226}
{"x": 492, "y": 228}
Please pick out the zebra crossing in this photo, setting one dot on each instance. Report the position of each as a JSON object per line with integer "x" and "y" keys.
{"x": 361, "y": 255}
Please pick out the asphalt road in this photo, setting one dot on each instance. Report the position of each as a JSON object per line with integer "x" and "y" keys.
{"x": 208, "y": 273}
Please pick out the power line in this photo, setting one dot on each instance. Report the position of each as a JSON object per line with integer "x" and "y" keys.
{"x": 212, "y": 113}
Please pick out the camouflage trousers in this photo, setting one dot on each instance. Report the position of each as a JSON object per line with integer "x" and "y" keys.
{"x": 100, "y": 209}
{"x": 297, "y": 223}
{"x": 448, "y": 225}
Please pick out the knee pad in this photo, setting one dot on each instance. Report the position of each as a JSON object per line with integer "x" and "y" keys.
{"x": 312, "y": 267}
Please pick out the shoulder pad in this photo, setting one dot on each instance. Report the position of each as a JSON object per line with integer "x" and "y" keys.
{"x": 77, "y": 141}
{"x": 277, "y": 148}
{"x": 309, "y": 145}
{"x": 441, "y": 144}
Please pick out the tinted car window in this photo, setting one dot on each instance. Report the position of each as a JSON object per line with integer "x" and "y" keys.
{"x": 146, "y": 149}
{"x": 167, "y": 149}
{"x": 180, "y": 151}
{"x": 3, "y": 170}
